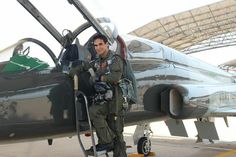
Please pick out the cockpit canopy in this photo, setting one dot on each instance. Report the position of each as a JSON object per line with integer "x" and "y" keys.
{"x": 31, "y": 54}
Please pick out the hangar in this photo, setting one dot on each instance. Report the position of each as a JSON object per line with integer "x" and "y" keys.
{"x": 208, "y": 27}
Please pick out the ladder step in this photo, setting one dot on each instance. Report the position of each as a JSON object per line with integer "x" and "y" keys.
{"x": 101, "y": 152}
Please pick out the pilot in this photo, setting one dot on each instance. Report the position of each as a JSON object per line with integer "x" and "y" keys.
{"x": 107, "y": 117}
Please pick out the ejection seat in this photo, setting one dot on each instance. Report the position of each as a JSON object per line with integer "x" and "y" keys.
{"x": 74, "y": 55}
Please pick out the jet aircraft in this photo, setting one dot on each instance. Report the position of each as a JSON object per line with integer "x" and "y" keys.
{"x": 37, "y": 98}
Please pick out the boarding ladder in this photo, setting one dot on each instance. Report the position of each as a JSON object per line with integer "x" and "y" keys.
{"x": 76, "y": 94}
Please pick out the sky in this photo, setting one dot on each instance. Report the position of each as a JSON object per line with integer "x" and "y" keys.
{"x": 131, "y": 14}
{"x": 17, "y": 23}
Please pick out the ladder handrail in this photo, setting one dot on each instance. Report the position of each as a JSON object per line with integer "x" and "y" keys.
{"x": 76, "y": 94}
{"x": 89, "y": 121}
{"x": 76, "y": 114}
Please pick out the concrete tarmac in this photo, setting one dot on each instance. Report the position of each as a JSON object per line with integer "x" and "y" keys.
{"x": 161, "y": 146}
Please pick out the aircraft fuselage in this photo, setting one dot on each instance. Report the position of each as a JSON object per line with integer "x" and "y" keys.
{"x": 38, "y": 103}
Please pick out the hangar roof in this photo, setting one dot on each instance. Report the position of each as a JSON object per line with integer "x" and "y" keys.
{"x": 203, "y": 28}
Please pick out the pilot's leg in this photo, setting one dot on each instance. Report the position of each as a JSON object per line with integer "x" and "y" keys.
{"x": 119, "y": 143}
{"x": 120, "y": 149}
{"x": 117, "y": 125}
{"x": 98, "y": 114}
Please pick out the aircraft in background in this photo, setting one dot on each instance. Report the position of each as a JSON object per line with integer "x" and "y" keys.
{"x": 229, "y": 66}
{"x": 37, "y": 99}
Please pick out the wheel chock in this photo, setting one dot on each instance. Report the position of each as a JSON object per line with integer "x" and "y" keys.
{"x": 135, "y": 155}
{"x": 152, "y": 154}
{"x": 141, "y": 155}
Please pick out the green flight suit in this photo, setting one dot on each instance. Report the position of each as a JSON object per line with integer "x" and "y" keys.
{"x": 108, "y": 118}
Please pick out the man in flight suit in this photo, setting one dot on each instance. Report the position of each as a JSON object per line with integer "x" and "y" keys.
{"x": 108, "y": 118}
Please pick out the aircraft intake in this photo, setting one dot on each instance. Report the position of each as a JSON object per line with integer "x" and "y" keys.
{"x": 164, "y": 99}
{"x": 191, "y": 100}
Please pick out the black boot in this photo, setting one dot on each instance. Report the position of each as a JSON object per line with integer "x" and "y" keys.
{"x": 119, "y": 149}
